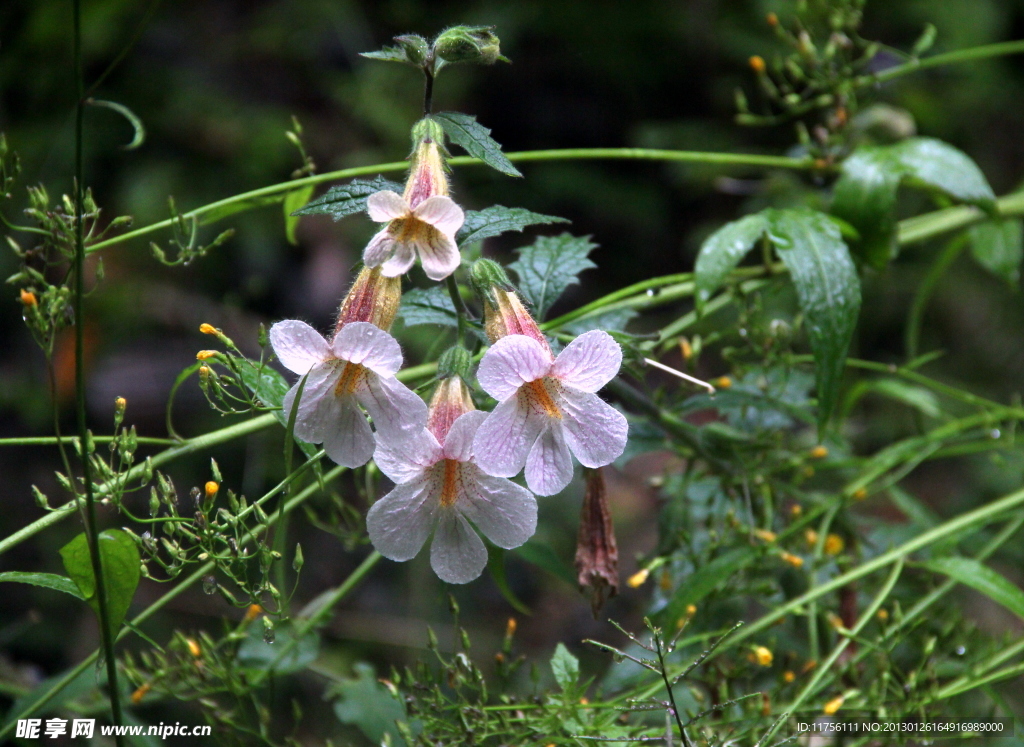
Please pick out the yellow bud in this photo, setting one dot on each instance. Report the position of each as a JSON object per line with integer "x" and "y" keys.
{"x": 833, "y": 705}
{"x": 764, "y": 534}
{"x": 139, "y": 694}
{"x": 789, "y": 675}
{"x": 757, "y": 64}
{"x": 203, "y": 355}
{"x": 691, "y": 610}
{"x": 795, "y": 510}
{"x": 211, "y": 489}
{"x": 794, "y": 560}
{"x": 685, "y": 349}
{"x": 638, "y": 578}
{"x": 499, "y": 658}
{"x": 204, "y": 371}
{"x": 510, "y": 627}
{"x": 811, "y": 664}
{"x": 834, "y": 544}
{"x": 819, "y": 452}
{"x": 811, "y": 537}
{"x": 722, "y": 382}
{"x": 883, "y": 614}
{"x": 772, "y": 19}
{"x": 762, "y": 656}
{"x": 208, "y": 329}
{"x": 193, "y": 647}
{"x": 252, "y": 613}
{"x": 28, "y": 298}
{"x": 584, "y": 701}
{"x": 860, "y": 494}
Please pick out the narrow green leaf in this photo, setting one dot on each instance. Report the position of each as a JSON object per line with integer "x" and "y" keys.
{"x": 549, "y": 266}
{"x": 475, "y": 139}
{"x": 865, "y": 196}
{"x": 722, "y": 251}
{"x": 948, "y": 169}
{"x": 981, "y": 578}
{"x": 46, "y": 580}
{"x": 828, "y": 289}
{"x": 120, "y": 560}
{"x": 704, "y": 581}
{"x": 345, "y": 199}
{"x": 498, "y": 219}
{"x": 293, "y": 201}
{"x": 496, "y": 565}
{"x": 565, "y": 667}
{"x": 544, "y": 557}
{"x": 998, "y": 246}
{"x": 139, "y": 129}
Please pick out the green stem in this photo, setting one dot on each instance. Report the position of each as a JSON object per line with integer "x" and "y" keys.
{"x": 460, "y": 307}
{"x": 949, "y": 58}
{"x": 935, "y": 273}
{"x": 92, "y": 532}
{"x": 928, "y": 226}
{"x": 57, "y": 440}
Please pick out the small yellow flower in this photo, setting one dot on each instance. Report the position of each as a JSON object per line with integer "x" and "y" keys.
{"x": 833, "y": 705}
{"x": 819, "y": 452}
{"x": 762, "y": 656}
{"x": 28, "y": 298}
{"x": 193, "y": 647}
{"x": 203, "y": 355}
{"x": 765, "y": 535}
{"x": 139, "y": 694}
{"x": 685, "y": 349}
{"x": 757, "y": 64}
{"x": 795, "y": 510}
{"x": 252, "y": 613}
{"x": 722, "y": 382}
{"x": 811, "y": 537}
{"x": 637, "y": 579}
{"x": 211, "y": 489}
{"x": 834, "y": 544}
{"x": 883, "y": 614}
{"x": 860, "y": 494}
{"x": 204, "y": 371}
{"x": 208, "y": 329}
{"x": 788, "y": 676}
{"x": 510, "y": 627}
{"x": 584, "y": 701}
{"x": 794, "y": 560}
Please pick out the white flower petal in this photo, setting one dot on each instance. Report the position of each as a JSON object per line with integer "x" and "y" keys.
{"x": 397, "y": 411}
{"x": 385, "y": 206}
{"x": 595, "y": 431}
{"x": 405, "y": 459}
{"x": 380, "y": 248}
{"x": 503, "y": 440}
{"x": 318, "y": 406}
{"x": 298, "y": 346}
{"x": 442, "y": 213}
{"x": 549, "y": 465}
{"x": 457, "y": 554}
{"x": 400, "y": 262}
{"x": 588, "y": 362}
{"x": 511, "y": 362}
{"x": 506, "y": 513}
{"x": 349, "y": 440}
{"x": 458, "y": 444}
{"x": 438, "y": 253}
{"x": 367, "y": 345}
{"x": 400, "y": 522}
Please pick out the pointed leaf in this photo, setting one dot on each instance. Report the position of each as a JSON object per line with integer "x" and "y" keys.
{"x": 828, "y": 289}
{"x": 293, "y": 201}
{"x": 498, "y": 219}
{"x": 565, "y": 667}
{"x": 120, "y": 561}
{"x": 496, "y": 565}
{"x": 998, "y": 246}
{"x": 430, "y": 305}
{"x": 466, "y": 132}
{"x": 722, "y": 251}
{"x": 346, "y": 199}
{"x": 945, "y": 168}
{"x": 46, "y": 580}
{"x": 865, "y": 196}
{"x": 549, "y": 266}
{"x": 981, "y": 578}
{"x": 544, "y": 557}
{"x": 389, "y": 54}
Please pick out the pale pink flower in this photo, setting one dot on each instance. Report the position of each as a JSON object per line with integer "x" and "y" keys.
{"x": 548, "y": 407}
{"x": 441, "y": 488}
{"x": 356, "y": 368}
{"x": 427, "y": 229}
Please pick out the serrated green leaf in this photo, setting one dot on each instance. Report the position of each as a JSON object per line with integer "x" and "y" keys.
{"x": 827, "y": 287}
{"x": 565, "y": 667}
{"x": 981, "y": 578}
{"x": 704, "y": 580}
{"x": 722, "y": 251}
{"x": 294, "y": 200}
{"x": 945, "y": 168}
{"x": 865, "y": 196}
{"x": 345, "y": 199}
{"x": 998, "y": 246}
{"x": 430, "y": 305}
{"x": 498, "y": 219}
{"x": 120, "y": 561}
{"x": 475, "y": 139}
{"x": 45, "y": 580}
{"x": 549, "y": 266}
{"x": 389, "y": 54}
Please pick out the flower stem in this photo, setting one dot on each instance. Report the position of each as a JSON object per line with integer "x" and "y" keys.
{"x": 460, "y": 307}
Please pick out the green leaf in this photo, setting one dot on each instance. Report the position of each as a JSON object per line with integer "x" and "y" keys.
{"x": 865, "y": 196}
{"x": 120, "y": 561}
{"x": 430, "y": 305}
{"x": 390, "y": 54}
{"x": 828, "y": 289}
{"x": 293, "y": 201}
{"x": 45, "y": 580}
{"x": 84, "y": 683}
{"x": 498, "y": 219}
{"x": 998, "y": 246}
{"x": 945, "y": 168}
{"x": 704, "y": 580}
{"x": 549, "y": 266}
{"x": 256, "y": 653}
{"x": 475, "y": 139}
{"x": 612, "y": 320}
{"x": 544, "y": 557}
{"x": 367, "y": 704}
{"x": 496, "y": 565}
{"x": 981, "y": 578}
{"x": 345, "y": 199}
{"x": 722, "y": 251}
{"x": 565, "y": 667}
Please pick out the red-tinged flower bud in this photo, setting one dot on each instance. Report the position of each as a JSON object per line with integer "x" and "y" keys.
{"x": 451, "y": 400}
{"x": 428, "y": 176}
{"x": 504, "y": 311}
{"x": 597, "y": 555}
{"x": 373, "y": 298}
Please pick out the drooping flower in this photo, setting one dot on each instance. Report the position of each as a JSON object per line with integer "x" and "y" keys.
{"x": 548, "y": 407}
{"x": 439, "y": 487}
{"x": 423, "y": 221}
{"x": 597, "y": 554}
{"x": 355, "y": 368}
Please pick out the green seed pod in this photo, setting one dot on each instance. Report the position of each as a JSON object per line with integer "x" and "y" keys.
{"x": 468, "y": 44}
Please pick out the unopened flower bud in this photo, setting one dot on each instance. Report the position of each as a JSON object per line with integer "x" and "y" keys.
{"x": 504, "y": 311}
{"x": 119, "y": 405}
{"x": 28, "y": 298}
{"x": 468, "y": 44}
{"x": 252, "y": 613}
{"x": 757, "y": 64}
{"x": 834, "y": 544}
{"x": 637, "y": 579}
{"x": 597, "y": 554}
{"x": 373, "y": 298}
{"x": 211, "y": 489}
{"x": 455, "y": 361}
{"x": 428, "y": 175}
{"x": 205, "y": 355}
{"x": 818, "y": 452}
{"x": 415, "y": 47}
{"x": 762, "y": 655}
{"x": 451, "y": 400}
{"x": 833, "y": 705}
{"x": 208, "y": 329}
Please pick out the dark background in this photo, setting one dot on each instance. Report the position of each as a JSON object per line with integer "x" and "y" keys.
{"x": 216, "y": 82}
